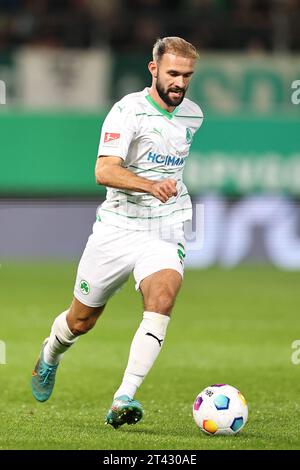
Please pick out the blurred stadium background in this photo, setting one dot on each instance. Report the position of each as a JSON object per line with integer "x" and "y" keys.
{"x": 62, "y": 64}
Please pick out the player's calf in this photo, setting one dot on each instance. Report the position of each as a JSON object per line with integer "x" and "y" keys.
{"x": 64, "y": 333}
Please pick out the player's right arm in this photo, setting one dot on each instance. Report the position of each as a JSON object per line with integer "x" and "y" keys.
{"x": 110, "y": 172}
{"x": 118, "y": 131}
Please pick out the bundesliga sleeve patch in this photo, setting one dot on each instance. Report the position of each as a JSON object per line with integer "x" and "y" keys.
{"x": 111, "y": 139}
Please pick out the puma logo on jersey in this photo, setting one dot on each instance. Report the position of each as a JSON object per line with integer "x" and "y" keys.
{"x": 157, "y": 131}
{"x": 153, "y": 336}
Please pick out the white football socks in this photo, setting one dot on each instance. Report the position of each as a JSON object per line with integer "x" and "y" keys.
{"x": 144, "y": 349}
{"x": 61, "y": 338}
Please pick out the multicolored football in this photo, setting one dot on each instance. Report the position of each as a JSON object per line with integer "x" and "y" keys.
{"x": 220, "y": 409}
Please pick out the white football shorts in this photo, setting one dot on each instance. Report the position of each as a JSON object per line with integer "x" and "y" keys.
{"x": 112, "y": 253}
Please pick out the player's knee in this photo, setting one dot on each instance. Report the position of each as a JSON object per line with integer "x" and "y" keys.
{"x": 82, "y": 326}
{"x": 164, "y": 302}
{"x": 166, "y": 305}
{"x": 81, "y": 318}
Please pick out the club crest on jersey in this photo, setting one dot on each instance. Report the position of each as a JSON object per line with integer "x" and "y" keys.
{"x": 111, "y": 139}
{"x": 188, "y": 136}
{"x": 84, "y": 287}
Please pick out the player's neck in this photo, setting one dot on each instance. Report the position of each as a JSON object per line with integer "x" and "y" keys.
{"x": 155, "y": 96}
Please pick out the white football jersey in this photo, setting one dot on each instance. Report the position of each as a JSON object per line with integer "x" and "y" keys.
{"x": 154, "y": 144}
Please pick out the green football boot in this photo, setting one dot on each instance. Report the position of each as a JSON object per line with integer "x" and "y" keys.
{"x": 43, "y": 377}
{"x": 124, "y": 410}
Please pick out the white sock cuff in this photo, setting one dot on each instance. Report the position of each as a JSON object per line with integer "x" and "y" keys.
{"x": 61, "y": 329}
{"x": 156, "y": 322}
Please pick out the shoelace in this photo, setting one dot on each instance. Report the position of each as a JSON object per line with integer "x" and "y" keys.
{"x": 47, "y": 373}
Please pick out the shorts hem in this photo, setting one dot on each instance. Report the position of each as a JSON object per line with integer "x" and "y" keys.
{"x": 88, "y": 304}
{"x": 152, "y": 271}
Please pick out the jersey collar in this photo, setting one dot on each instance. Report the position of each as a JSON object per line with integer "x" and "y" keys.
{"x": 162, "y": 111}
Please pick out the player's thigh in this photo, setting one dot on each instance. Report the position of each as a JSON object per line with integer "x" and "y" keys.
{"x": 159, "y": 290}
{"x": 104, "y": 266}
{"x": 154, "y": 255}
{"x": 158, "y": 273}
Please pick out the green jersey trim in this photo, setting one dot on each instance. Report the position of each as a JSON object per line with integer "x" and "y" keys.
{"x": 142, "y": 170}
{"x": 146, "y": 114}
{"x": 160, "y": 205}
{"x": 163, "y": 111}
{"x": 145, "y": 218}
{"x": 189, "y": 117}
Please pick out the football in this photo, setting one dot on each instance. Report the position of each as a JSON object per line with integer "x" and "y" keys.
{"x": 220, "y": 409}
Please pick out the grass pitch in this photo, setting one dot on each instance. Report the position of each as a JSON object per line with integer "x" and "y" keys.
{"x": 232, "y": 327}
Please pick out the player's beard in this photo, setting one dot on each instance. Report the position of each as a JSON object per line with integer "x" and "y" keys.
{"x": 165, "y": 94}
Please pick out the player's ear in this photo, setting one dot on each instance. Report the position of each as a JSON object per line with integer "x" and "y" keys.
{"x": 152, "y": 67}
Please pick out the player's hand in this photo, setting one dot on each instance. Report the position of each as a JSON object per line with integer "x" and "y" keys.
{"x": 164, "y": 190}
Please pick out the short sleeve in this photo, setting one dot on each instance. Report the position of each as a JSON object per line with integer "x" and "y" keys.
{"x": 117, "y": 132}
{"x": 199, "y": 117}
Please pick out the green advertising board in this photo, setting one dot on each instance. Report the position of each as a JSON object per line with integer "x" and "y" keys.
{"x": 49, "y": 154}
{"x": 226, "y": 83}
{"x": 242, "y": 155}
